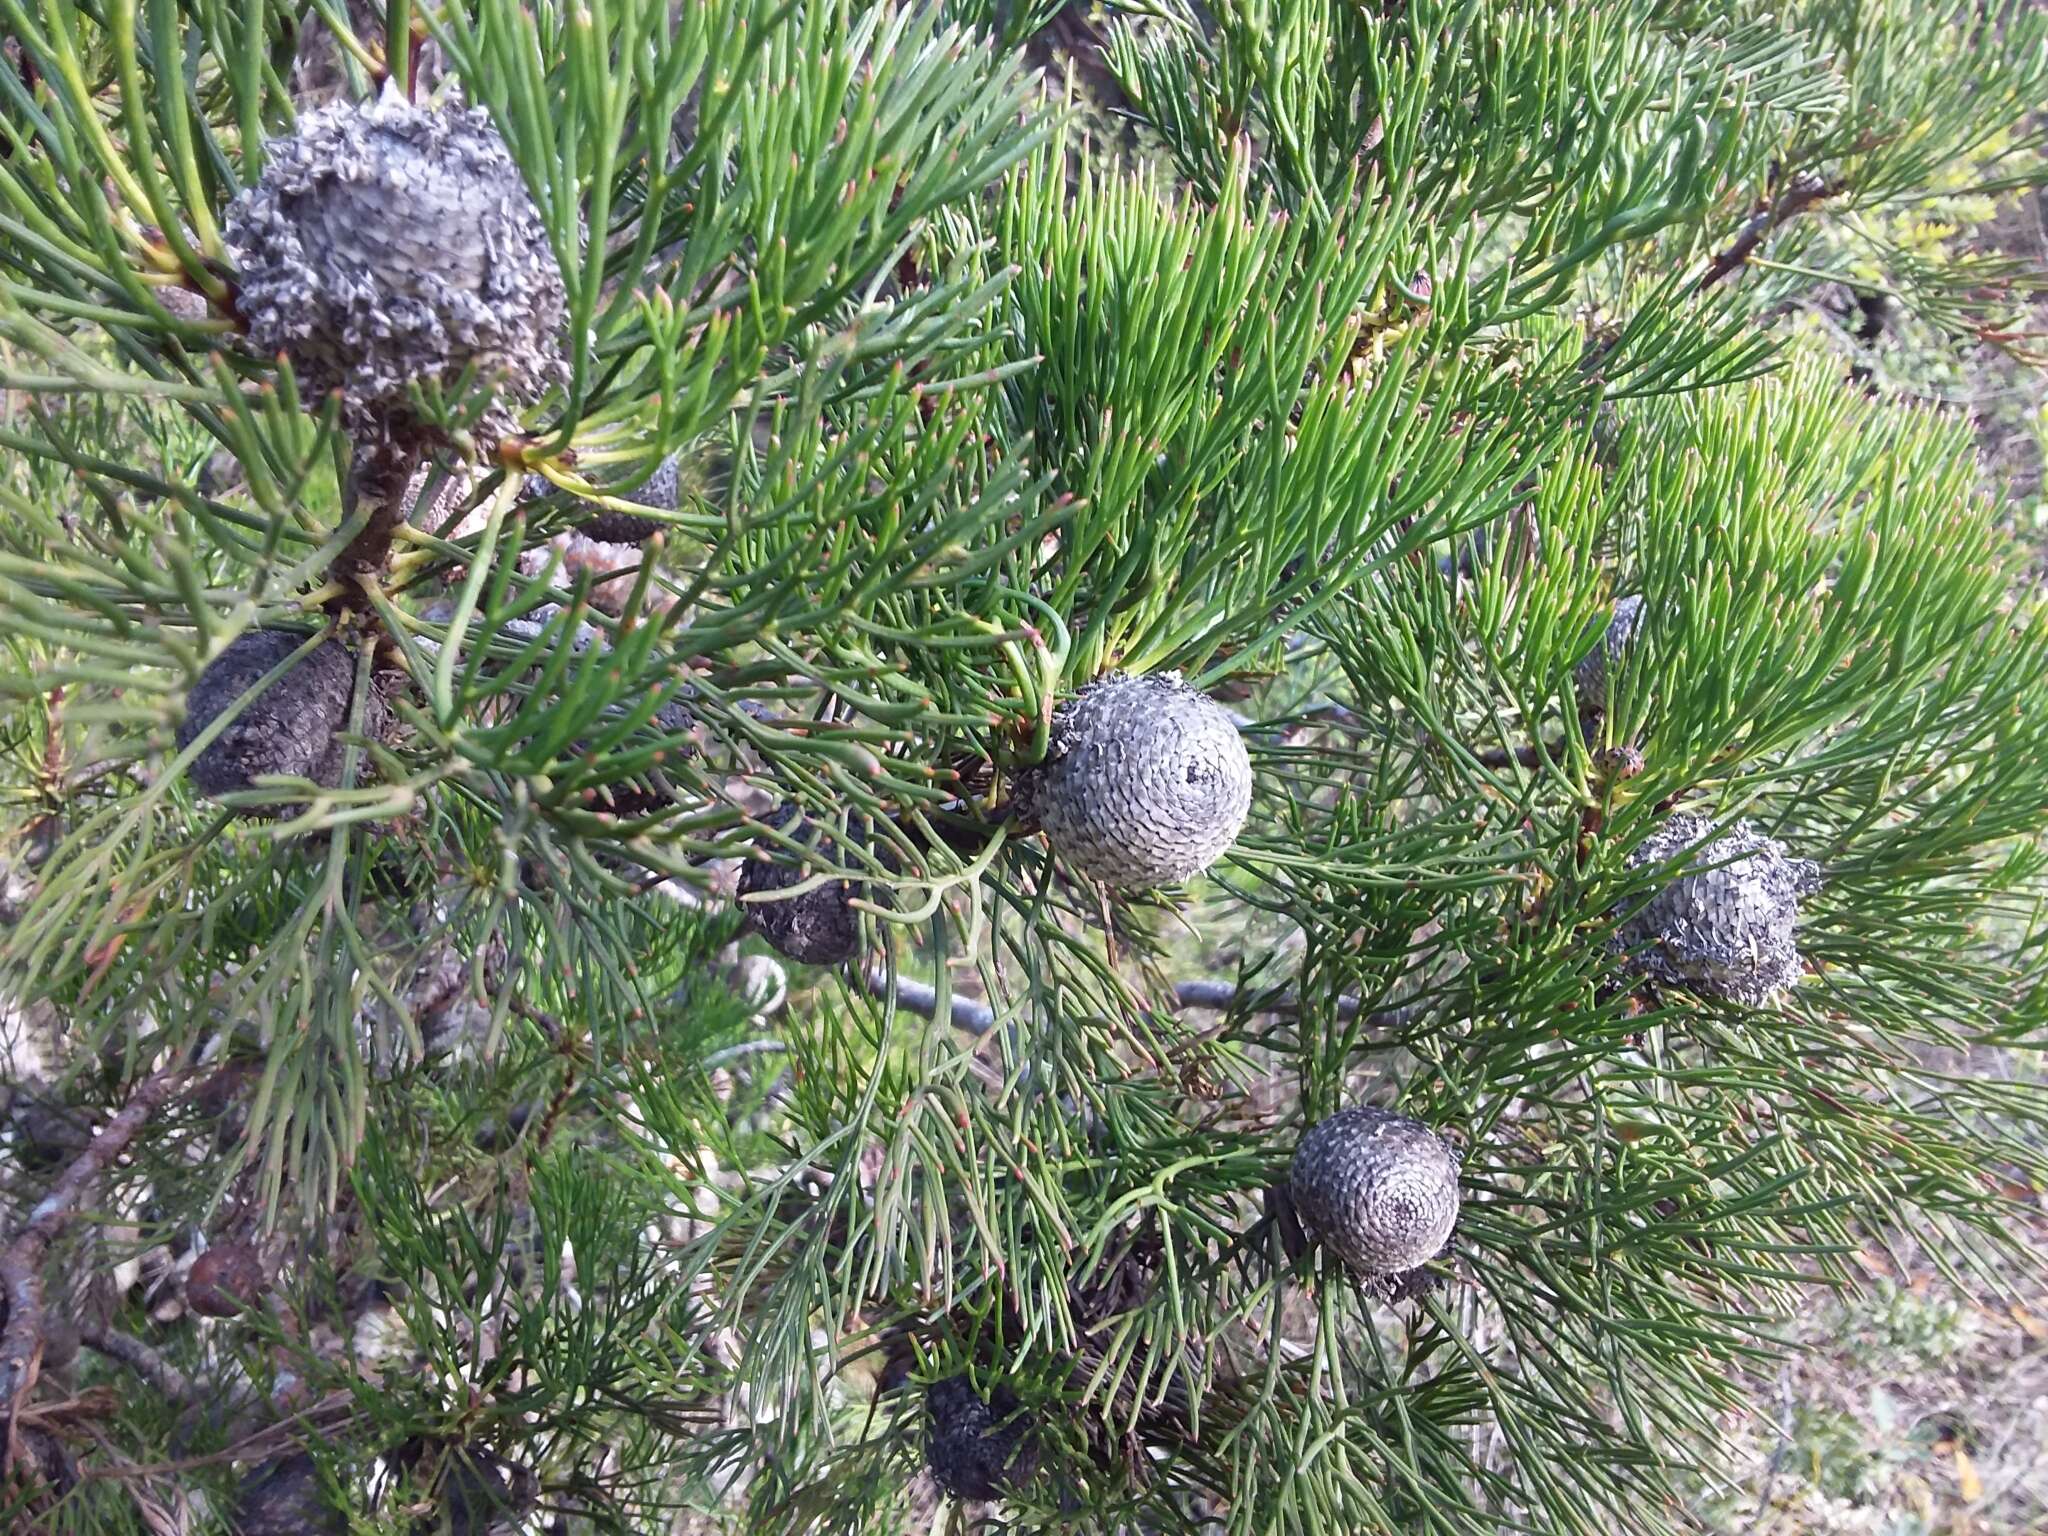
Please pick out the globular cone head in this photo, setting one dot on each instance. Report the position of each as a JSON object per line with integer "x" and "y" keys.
{"x": 817, "y": 927}
{"x": 386, "y": 244}
{"x": 293, "y": 726}
{"x": 225, "y": 1280}
{"x": 1147, "y": 783}
{"x": 1377, "y": 1189}
{"x": 977, "y": 1448}
{"x": 1727, "y": 922}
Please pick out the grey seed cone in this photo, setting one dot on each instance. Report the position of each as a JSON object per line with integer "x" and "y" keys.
{"x": 1147, "y": 783}
{"x": 651, "y": 791}
{"x": 293, "y": 727}
{"x": 663, "y": 489}
{"x": 1378, "y": 1189}
{"x": 1728, "y": 930}
{"x": 816, "y": 928}
{"x": 387, "y": 244}
{"x": 1590, "y": 676}
{"x": 976, "y": 1449}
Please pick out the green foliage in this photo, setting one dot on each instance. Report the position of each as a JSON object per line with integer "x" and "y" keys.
{"x": 1391, "y": 349}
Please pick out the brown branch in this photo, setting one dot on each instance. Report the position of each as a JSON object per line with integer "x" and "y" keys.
{"x": 380, "y": 478}
{"x": 21, "y": 1263}
{"x": 145, "y": 1362}
{"x": 1806, "y": 190}
{"x": 1528, "y": 757}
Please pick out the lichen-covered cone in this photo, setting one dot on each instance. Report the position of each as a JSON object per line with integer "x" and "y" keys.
{"x": 1727, "y": 923}
{"x": 976, "y": 1448}
{"x": 1147, "y": 782}
{"x": 387, "y": 244}
{"x": 1590, "y": 676}
{"x": 1377, "y": 1189}
{"x": 293, "y": 727}
{"x": 815, "y": 928}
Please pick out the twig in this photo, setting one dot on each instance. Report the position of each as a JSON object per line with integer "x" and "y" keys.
{"x": 246, "y": 1443}
{"x": 21, "y": 1264}
{"x": 1497, "y": 757}
{"x": 145, "y": 1362}
{"x": 746, "y": 1048}
{"x": 915, "y": 997}
{"x": 1806, "y": 190}
{"x": 1221, "y": 996}
{"x": 978, "y": 1018}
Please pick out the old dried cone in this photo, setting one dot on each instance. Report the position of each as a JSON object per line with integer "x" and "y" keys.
{"x": 976, "y": 1447}
{"x": 814, "y": 927}
{"x": 1146, "y": 782}
{"x": 388, "y": 245}
{"x": 1378, "y": 1189}
{"x": 1726, "y": 923}
{"x": 294, "y": 726}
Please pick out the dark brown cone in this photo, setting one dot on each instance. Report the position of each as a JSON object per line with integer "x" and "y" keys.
{"x": 225, "y": 1280}
{"x": 293, "y": 727}
{"x": 976, "y": 1448}
{"x": 816, "y": 928}
{"x": 284, "y": 1498}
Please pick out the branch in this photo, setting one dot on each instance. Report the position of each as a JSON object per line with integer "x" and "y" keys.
{"x": 1221, "y": 996}
{"x": 1528, "y": 757}
{"x": 380, "y": 476}
{"x": 978, "y": 1018}
{"x": 145, "y": 1362}
{"x": 21, "y": 1264}
{"x": 759, "y": 1048}
{"x": 1806, "y": 190}
{"x": 915, "y": 997}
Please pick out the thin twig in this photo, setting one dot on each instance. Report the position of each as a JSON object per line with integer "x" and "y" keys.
{"x": 1806, "y": 190}
{"x": 245, "y": 1443}
{"x": 978, "y": 1018}
{"x": 1497, "y": 757}
{"x": 21, "y": 1264}
{"x": 549, "y": 1024}
{"x": 145, "y": 1362}
{"x": 745, "y": 1048}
